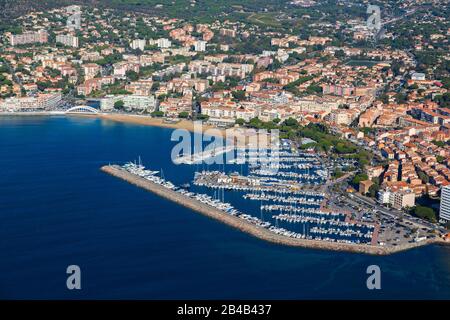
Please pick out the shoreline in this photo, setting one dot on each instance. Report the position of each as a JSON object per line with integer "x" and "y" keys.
{"x": 183, "y": 124}
{"x": 128, "y": 118}
{"x": 156, "y": 122}
{"x": 249, "y": 228}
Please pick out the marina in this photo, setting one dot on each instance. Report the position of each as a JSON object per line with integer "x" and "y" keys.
{"x": 287, "y": 188}
{"x": 204, "y": 155}
{"x": 299, "y": 223}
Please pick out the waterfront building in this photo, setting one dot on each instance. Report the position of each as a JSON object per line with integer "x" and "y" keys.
{"x": 130, "y": 102}
{"x": 172, "y": 107}
{"x": 41, "y": 102}
{"x": 402, "y": 199}
{"x": 444, "y": 212}
{"x": 398, "y": 199}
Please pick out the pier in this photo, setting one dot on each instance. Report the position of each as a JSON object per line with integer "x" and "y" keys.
{"x": 246, "y": 226}
{"x": 201, "y": 156}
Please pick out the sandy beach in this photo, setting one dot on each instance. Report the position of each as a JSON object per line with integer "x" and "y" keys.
{"x": 241, "y": 134}
{"x": 159, "y": 122}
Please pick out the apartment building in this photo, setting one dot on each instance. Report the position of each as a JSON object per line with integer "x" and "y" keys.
{"x": 67, "y": 40}
{"x": 444, "y": 212}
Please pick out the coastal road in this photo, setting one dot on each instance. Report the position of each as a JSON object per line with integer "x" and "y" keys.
{"x": 395, "y": 214}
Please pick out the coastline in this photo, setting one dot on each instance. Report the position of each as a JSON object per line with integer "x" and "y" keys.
{"x": 145, "y": 120}
{"x": 129, "y": 118}
{"x": 156, "y": 122}
{"x": 250, "y": 228}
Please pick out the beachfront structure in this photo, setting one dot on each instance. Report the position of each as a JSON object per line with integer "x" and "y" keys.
{"x": 67, "y": 40}
{"x": 40, "y": 36}
{"x": 397, "y": 200}
{"x": 130, "y": 102}
{"x": 444, "y": 213}
{"x": 41, "y": 102}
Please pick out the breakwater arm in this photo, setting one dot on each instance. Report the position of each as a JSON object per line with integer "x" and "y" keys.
{"x": 246, "y": 226}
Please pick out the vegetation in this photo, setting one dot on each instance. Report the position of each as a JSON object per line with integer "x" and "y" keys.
{"x": 358, "y": 178}
{"x": 119, "y": 104}
{"x": 238, "y": 95}
{"x": 324, "y": 140}
{"x": 157, "y": 114}
{"x": 202, "y": 117}
{"x": 183, "y": 115}
{"x": 425, "y": 213}
{"x": 337, "y": 173}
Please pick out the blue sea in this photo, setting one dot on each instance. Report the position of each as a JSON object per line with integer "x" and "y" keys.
{"x": 58, "y": 209}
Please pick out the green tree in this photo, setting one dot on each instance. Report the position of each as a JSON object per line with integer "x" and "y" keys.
{"x": 291, "y": 122}
{"x": 339, "y": 54}
{"x": 358, "y": 178}
{"x": 424, "y": 177}
{"x": 202, "y": 117}
{"x": 132, "y": 75}
{"x": 119, "y": 104}
{"x": 425, "y": 213}
{"x": 240, "y": 121}
{"x": 157, "y": 114}
{"x": 183, "y": 115}
{"x": 239, "y": 95}
{"x": 373, "y": 190}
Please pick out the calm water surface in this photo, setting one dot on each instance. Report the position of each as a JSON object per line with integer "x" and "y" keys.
{"x": 58, "y": 209}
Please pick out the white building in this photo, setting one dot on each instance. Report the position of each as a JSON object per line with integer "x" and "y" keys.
{"x": 383, "y": 196}
{"x": 200, "y": 46}
{"x": 398, "y": 200}
{"x": 138, "y": 44}
{"x": 161, "y": 43}
{"x": 418, "y": 76}
{"x": 131, "y": 103}
{"x": 444, "y": 213}
{"x": 67, "y": 40}
{"x": 40, "y": 36}
{"x": 41, "y": 102}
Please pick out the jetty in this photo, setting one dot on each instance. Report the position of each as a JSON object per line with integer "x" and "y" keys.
{"x": 202, "y": 156}
{"x": 245, "y": 225}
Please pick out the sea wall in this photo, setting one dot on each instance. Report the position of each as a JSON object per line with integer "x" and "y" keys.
{"x": 248, "y": 227}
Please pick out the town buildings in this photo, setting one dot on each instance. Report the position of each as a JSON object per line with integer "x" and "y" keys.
{"x": 67, "y": 40}
{"x": 40, "y": 36}
{"x": 444, "y": 212}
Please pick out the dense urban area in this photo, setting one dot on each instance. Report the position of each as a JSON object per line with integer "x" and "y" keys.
{"x": 373, "y": 105}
